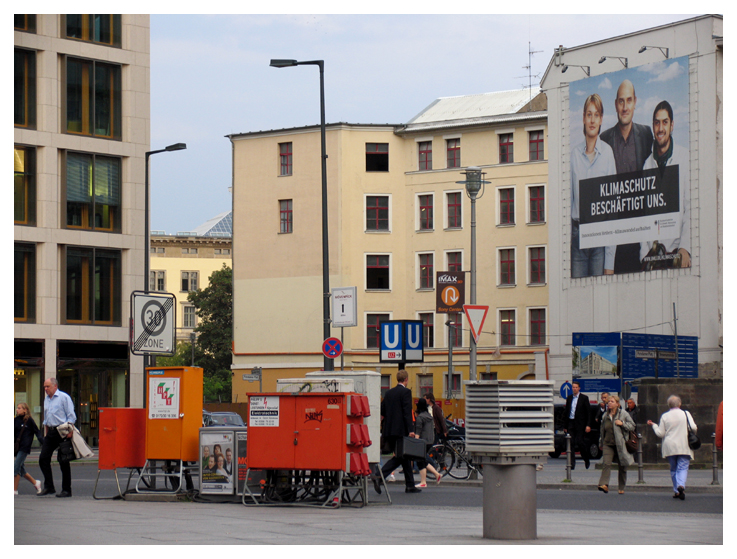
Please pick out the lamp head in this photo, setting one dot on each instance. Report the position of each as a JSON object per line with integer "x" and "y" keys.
{"x": 473, "y": 181}
{"x": 564, "y": 70}
{"x": 602, "y": 59}
{"x": 642, "y": 49}
{"x": 282, "y": 62}
{"x": 175, "y": 147}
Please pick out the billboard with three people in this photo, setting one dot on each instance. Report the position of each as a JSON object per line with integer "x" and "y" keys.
{"x": 630, "y": 170}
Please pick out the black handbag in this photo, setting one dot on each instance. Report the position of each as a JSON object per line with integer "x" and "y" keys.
{"x": 66, "y": 451}
{"x": 410, "y": 447}
{"x": 694, "y": 442}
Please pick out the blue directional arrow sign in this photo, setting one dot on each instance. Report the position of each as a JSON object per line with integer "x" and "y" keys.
{"x": 566, "y": 389}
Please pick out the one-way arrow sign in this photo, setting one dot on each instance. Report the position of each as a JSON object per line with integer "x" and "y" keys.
{"x": 476, "y": 315}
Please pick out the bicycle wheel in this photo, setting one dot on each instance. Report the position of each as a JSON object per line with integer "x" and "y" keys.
{"x": 461, "y": 469}
{"x": 445, "y": 459}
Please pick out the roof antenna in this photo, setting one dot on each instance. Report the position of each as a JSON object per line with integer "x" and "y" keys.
{"x": 529, "y": 76}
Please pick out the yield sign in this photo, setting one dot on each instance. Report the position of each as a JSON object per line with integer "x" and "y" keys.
{"x": 476, "y": 314}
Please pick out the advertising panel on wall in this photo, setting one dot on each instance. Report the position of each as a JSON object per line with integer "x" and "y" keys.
{"x": 630, "y": 170}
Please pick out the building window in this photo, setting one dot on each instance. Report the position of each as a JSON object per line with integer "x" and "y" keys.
{"x": 285, "y": 159}
{"x": 506, "y": 206}
{"x": 25, "y": 22}
{"x": 428, "y": 329}
{"x": 223, "y": 251}
{"x": 93, "y": 280}
{"x": 25, "y": 88}
{"x": 454, "y": 153}
{"x": 456, "y": 384}
{"x": 385, "y": 384}
{"x": 93, "y": 192}
{"x": 377, "y": 213}
{"x": 506, "y": 148}
{"x": 537, "y": 327}
{"x": 24, "y": 197}
{"x": 537, "y": 146}
{"x": 285, "y": 216}
{"x": 507, "y": 327}
{"x": 426, "y": 212}
{"x": 157, "y": 250}
{"x": 427, "y": 270}
{"x": 372, "y": 329}
{"x": 506, "y": 266}
{"x": 537, "y": 265}
{"x": 424, "y": 385}
{"x": 456, "y": 326}
{"x": 455, "y": 261}
{"x": 425, "y": 156}
{"x": 96, "y": 28}
{"x": 377, "y": 157}
{"x": 157, "y": 280}
{"x": 190, "y": 250}
{"x": 189, "y": 281}
{"x": 189, "y": 318}
{"x": 25, "y": 282}
{"x": 377, "y": 271}
{"x": 454, "y": 210}
{"x": 93, "y": 98}
{"x": 537, "y": 204}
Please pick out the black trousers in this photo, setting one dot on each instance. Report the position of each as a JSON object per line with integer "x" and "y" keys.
{"x": 578, "y": 442}
{"x": 393, "y": 463}
{"x": 51, "y": 443}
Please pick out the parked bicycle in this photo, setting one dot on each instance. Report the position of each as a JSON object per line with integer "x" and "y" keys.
{"x": 453, "y": 460}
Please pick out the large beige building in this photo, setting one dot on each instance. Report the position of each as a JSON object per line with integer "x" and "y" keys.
{"x": 396, "y": 216}
{"x": 184, "y": 262}
{"x": 80, "y": 134}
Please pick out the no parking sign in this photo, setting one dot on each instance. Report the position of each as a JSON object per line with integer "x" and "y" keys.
{"x": 332, "y": 348}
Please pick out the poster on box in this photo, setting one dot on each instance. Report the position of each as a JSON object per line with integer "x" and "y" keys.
{"x": 163, "y": 398}
{"x": 630, "y": 170}
{"x": 217, "y": 462}
{"x": 263, "y": 411}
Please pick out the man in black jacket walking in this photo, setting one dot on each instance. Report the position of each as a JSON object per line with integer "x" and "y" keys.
{"x": 396, "y": 414}
{"x": 577, "y": 421}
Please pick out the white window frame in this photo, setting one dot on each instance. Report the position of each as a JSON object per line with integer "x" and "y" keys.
{"x": 418, "y": 141}
{"x": 456, "y": 393}
{"x": 445, "y": 258}
{"x": 418, "y": 285}
{"x": 365, "y": 276}
{"x": 446, "y": 218}
{"x": 529, "y": 267}
{"x": 418, "y": 212}
{"x": 499, "y": 283}
{"x": 184, "y": 316}
{"x": 365, "y": 213}
{"x": 529, "y": 325}
{"x": 498, "y": 201}
{"x": 365, "y": 326}
{"x": 499, "y": 326}
{"x": 539, "y": 128}
{"x": 527, "y": 203}
{"x": 189, "y": 280}
{"x": 418, "y": 316}
{"x": 445, "y": 145}
{"x": 446, "y": 328}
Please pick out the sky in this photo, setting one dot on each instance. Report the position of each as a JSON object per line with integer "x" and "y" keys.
{"x": 210, "y": 77}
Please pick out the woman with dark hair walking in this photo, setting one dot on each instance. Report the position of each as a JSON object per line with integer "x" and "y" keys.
{"x": 25, "y": 430}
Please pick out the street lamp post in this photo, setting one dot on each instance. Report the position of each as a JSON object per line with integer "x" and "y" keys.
{"x": 285, "y": 63}
{"x": 474, "y": 183}
{"x": 147, "y": 248}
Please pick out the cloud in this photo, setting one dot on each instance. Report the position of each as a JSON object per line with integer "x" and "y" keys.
{"x": 605, "y": 84}
{"x": 662, "y": 71}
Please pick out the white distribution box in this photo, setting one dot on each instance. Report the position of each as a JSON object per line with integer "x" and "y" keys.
{"x": 314, "y": 385}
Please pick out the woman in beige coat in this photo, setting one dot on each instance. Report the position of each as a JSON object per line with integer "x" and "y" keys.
{"x": 674, "y": 432}
{"x": 616, "y": 425}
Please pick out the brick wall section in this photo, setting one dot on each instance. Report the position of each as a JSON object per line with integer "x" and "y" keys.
{"x": 700, "y": 397}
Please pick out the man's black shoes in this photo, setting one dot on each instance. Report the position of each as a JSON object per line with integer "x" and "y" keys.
{"x": 587, "y": 463}
{"x": 376, "y": 478}
{"x": 46, "y": 491}
{"x": 64, "y": 494}
{"x": 681, "y": 493}
{"x": 412, "y": 490}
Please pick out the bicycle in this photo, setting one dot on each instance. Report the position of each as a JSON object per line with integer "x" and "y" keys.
{"x": 450, "y": 454}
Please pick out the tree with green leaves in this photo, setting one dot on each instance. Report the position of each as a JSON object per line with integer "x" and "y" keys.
{"x": 214, "y": 308}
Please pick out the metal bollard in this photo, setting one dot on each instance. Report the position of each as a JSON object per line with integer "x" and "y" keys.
{"x": 640, "y": 468}
{"x": 568, "y": 457}
{"x": 715, "y": 462}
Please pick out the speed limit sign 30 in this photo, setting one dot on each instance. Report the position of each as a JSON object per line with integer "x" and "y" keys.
{"x": 153, "y": 323}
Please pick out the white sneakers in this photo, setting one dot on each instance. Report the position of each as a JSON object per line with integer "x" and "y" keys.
{"x": 38, "y": 486}
{"x": 391, "y": 478}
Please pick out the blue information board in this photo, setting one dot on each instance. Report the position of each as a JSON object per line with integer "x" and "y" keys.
{"x": 401, "y": 341}
{"x": 636, "y": 367}
{"x": 596, "y": 338}
{"x": 599, "y": 384}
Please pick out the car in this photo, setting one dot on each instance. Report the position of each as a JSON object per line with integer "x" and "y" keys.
{"x": 221, "y": 418}
{"x": 591, "y": 438}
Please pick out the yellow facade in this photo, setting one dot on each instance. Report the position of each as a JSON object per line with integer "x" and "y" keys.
{"x": 175, "y": 255}
{"x": 278, "y": 276}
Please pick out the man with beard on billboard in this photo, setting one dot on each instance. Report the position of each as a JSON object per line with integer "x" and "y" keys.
{"x": 675, "y": 252}
{"x": 632, "y": 144}
{"x": 593, "y": 159}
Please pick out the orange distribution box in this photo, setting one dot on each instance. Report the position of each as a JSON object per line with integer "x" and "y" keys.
{"x": 173, "y": 413}
{"x": 122, "y": 438}
{"x": 306, "y": 431}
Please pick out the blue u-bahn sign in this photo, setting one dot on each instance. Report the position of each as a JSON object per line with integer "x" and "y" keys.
{"x": 401, "y": 341}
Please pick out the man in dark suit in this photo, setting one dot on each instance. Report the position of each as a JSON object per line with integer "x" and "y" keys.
{"x": 396, "y": 414}
{"x": 632, "y": 144}
{"x": 577, "y": 421}
{"x": 601, "y": 410}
